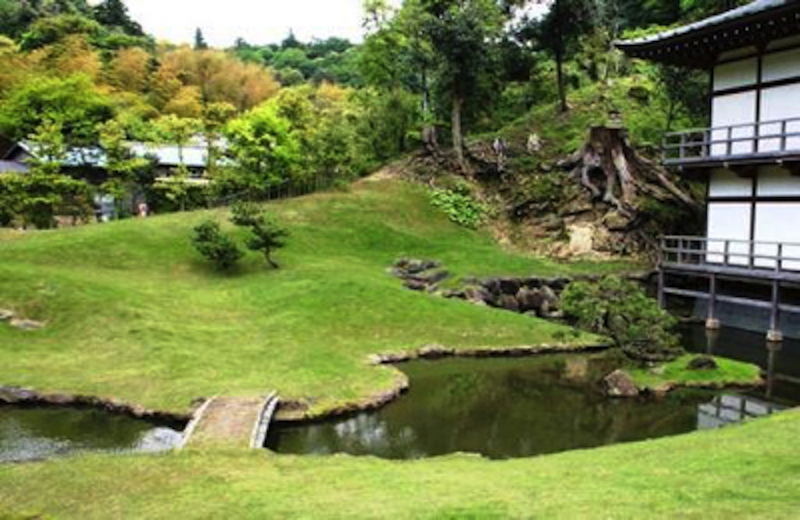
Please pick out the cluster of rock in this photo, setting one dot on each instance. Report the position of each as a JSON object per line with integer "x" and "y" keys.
{"x": 19, "y": 322}
{"x": 534, "y": 296}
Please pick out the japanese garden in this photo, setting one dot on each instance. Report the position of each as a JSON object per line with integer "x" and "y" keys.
{"x": 485, "y": 259}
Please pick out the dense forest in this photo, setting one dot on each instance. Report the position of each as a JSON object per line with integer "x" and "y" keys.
{"x": 75, "y": 76}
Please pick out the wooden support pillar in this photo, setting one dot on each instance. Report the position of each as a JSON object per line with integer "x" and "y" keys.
{"x": 712, "y": 323}
{"x": 775, "y": 335}
{"x": 662, "y": 303}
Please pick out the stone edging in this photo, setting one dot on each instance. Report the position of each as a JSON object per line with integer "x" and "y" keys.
{"x": 25, "y": 397}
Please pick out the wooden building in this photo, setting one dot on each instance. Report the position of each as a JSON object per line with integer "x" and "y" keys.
{"x": 749, "y": 156}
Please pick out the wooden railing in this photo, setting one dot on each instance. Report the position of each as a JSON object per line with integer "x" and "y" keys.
{"x": 776, "y": 264}
{"x": 739, "y": 254}
{"x": 763, "y": 138}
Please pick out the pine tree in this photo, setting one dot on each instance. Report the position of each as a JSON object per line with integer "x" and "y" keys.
{"x": 199, "y": 41}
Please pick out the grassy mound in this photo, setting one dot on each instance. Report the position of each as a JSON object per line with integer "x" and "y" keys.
{"x": 674, "y": 373}
{"x": 134, "y": 313}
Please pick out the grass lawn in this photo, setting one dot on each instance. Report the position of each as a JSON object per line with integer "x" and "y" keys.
{"x": 728, "y": 372}
{"x": 135, "y": 314}
{"x": 747, "y": 471}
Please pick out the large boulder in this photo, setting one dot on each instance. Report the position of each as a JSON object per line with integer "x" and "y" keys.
{"x": 619, "y": 384}
{"x": 530, "y": 299}
{"x": 702, "y": 363}
{"x": 508, "y": 303}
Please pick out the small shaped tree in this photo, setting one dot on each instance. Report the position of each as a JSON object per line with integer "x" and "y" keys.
{"x": 267, "y": 234}
{"x": 217, "y": 247}
{"x": 620, "y": 309}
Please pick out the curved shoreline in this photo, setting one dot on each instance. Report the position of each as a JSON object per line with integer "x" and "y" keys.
{"x": 25, "y": 397}
{"x": 299, "y": 411}
{"x": 296, "y": 411}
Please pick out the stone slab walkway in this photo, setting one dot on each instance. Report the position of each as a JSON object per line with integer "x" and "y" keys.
{"x": 230, "y": 422}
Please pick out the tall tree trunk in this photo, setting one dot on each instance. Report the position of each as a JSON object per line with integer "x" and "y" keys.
{"x": 562, "y": 93}
{"x": 458, "y": 138}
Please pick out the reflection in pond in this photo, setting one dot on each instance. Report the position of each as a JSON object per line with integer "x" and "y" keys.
{"x": 501, "y": 408}
{"x": 37, "y": 433}
{"x": 519, "y": 407}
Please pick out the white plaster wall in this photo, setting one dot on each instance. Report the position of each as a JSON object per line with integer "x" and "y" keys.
{"x": 733, "y": 109}
{"x": 781, "y": 65}
{"x": 778, "y": 222}
{"x": 736, "y": 74}
{"x": 779, "y": 103}
{"x": 774, "y": 181}
{"x": 724, "y": 183}
{"x": 728, "y": 221}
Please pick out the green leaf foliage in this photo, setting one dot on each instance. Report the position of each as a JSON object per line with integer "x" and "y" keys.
{"x": 459, "y": 205}
{"x": 266, "y": 234}
{"x": 621, "y": 309}
{"x": 215, "y": 246}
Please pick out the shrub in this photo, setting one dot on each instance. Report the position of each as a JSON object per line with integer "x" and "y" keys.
{"x": 217, "y": 247}
{"x": 620, "y": 309}
{"x": 459, "y": 205}
{"x": 266, "y": 234}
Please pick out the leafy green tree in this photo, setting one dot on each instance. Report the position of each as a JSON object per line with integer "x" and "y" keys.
{"x": 73, "y": 101}
{"x": 178, "y": 131}
{"x": 215, "y": 117}
{"x": 621, "y": 309}
{"x": 462, "y": 36}
{"x": 266, "y": 234}
{"x": 559, "y": 32}
{"x": 264, "y": 147}
{"x": 50, "y": 30}
{"x": 121, "y": 164}
{"x": 114, "y": 14}
{"x": 215, "y": 246}
{"x": 49, "y": 148}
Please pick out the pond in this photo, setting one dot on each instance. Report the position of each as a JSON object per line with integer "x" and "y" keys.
{"x": 518, "y": 407}
{"x": 39, "y": 433}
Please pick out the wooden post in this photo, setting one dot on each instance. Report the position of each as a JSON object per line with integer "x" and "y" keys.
{"x": 712, "y": 323}
{"x": 727, "y": 252}
{"x": 783, "y": 135}
{"x": 774, "y": 335}
{"x": 730, "y": 141}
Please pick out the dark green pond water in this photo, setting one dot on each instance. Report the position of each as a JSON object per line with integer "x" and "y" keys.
{"x": 39, "y": 433}
{"x": 504, "y": 408}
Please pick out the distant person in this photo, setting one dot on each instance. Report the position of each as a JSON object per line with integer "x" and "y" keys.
{"x": 143, "y": 210}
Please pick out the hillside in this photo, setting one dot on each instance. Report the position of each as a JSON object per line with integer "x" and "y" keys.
{"x": 134, "y": 313}
{"x": 535, "y": 193}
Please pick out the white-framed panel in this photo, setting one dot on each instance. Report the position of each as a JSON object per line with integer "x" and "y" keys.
{"x": 778, "y": 104}
{"x": 731, "y": 110}
{"x": 774, "y": 181}
{"x": 780, "y": 65}
{"x": 725, "y": 183}
{"x": 736, "y": 74}
{"x": 778, "y": 222}
{"x": 729, "y": 221}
